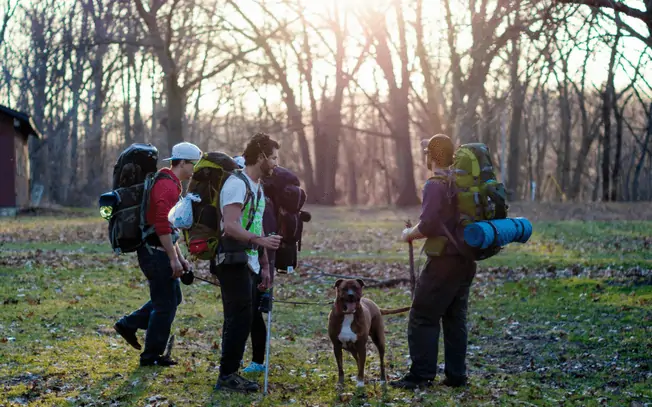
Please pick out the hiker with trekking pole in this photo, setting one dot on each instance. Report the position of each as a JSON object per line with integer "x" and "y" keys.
{"x": 283, "y": 215}
{"x": 225, "y": 220}
{"x": 442, "y": 289}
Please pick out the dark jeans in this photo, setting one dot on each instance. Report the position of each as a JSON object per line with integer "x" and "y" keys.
{"x": 157, "y": 315}
{"x": 442, "y": 293}
{"x": 258, "y": 328}
{"x": 236, "y": 283}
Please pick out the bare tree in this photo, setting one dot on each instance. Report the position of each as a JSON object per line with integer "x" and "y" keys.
{"x": 488, "y": 40}
{"x": 608, "y": 102}
{"x": 375, "y": 25}
{"x": 7, "y": 12}
{"x": 434, "y": 104}
{"x": 621, "y": 8}
{"x": 176, "y": 45}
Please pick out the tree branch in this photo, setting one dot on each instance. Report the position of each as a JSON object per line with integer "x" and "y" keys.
{"x": 370, "y": 132}
{"x": 220, "y": 68}
{"x": 614, "y": 5}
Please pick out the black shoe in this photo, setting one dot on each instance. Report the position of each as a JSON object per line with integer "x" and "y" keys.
{"x": 128, "y": 335}
{"x": 235, "y": 382}
{"x": 410, "y": 381}
{"x": 164, "y": 361}
{"x": 454, "y": 382}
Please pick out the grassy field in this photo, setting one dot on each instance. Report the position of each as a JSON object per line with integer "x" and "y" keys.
{"x": 565, "y": 319}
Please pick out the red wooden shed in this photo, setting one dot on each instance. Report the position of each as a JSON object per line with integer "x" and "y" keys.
{"x": 15, "y": 129}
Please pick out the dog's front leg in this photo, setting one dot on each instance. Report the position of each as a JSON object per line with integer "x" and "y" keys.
{"x": 337, "y": 350}
{"x": 361, "y": 359}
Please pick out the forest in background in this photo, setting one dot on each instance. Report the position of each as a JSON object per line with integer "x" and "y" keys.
{"x": 556, "y": 89}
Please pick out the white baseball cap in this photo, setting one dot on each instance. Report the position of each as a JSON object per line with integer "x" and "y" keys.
{"x": 185, "y": 151}
{"x": 239, "y": 160}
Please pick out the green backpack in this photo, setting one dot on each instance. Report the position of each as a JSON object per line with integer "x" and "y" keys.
{"x": 479, "y": 197}
{"x": 211, "y": 171}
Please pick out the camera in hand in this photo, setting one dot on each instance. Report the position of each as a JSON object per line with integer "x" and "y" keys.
{"x": 305, "y": 216}
{"x": 187, "y": 277}
{"x": 266, "y": 301}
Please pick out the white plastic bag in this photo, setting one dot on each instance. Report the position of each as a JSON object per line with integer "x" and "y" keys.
{"x": 180, "y": 215}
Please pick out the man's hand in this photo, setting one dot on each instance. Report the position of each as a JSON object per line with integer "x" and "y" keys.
{"x": 266, "y": 276}
{"x": 269, "y": 242}
{"x": 177, "y": 268}
{"x": 405, "y": 236}
{"x": 184, "y": 263}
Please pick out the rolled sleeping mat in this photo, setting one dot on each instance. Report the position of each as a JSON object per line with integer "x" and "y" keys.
{"x": 500, "y": 232}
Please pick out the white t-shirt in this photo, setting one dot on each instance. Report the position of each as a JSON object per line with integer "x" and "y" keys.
{"x": 233, "y": 191}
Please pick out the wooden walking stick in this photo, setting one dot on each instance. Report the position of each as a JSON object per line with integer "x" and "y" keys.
{"x": 413, "y": 277}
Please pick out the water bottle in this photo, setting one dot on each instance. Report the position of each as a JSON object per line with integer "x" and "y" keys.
{"x": 290, "y": 269}
{"x": 266, "y": 301}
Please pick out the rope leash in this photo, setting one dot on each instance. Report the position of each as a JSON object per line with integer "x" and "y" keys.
{"x": 302, "y": 302}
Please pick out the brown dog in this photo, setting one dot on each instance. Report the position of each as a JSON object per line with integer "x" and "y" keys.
{"x": 352, "y": 321}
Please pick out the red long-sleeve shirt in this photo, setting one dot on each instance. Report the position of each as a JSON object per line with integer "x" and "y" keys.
{"x": 165, "y": 194}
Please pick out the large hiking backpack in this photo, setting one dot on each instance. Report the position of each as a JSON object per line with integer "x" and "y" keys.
{"x": 479, "y": 194}
{"x": 125, "y": 207}
{"x": 210, "y": 173}
{"x": 283, "y": 189}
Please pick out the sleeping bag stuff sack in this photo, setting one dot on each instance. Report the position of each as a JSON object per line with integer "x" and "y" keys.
{"x": 498, "y": 232}
{"x": 286, "y": 198}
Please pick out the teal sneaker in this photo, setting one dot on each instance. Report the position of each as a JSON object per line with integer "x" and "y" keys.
{"x": 254, "y": 368}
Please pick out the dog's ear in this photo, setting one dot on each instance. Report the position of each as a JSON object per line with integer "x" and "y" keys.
{"x": 338, "y": 282}
{"x": 360, "y": 282}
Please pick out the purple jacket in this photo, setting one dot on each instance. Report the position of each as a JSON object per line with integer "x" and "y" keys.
{"x": 439, "y": 208}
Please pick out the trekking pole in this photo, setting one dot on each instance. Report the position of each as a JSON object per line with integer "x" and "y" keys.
{"x": 413, "y": 278}
{"x": 269, "y": 337}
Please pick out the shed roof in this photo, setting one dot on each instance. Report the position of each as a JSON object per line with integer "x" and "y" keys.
{"x": 23, "y": 123}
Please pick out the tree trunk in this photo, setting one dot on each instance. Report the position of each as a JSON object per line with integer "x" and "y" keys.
{"x": 541, "y": 151}
{"x": 326, "y": 149}
{"x": 608, "y": 103}
{"x": 407, "y": 195}
{"x": 606, "y": 143}
{"x": 94, "y": 151}
{"x": 126, "y": 104}
{"x": 176, "y": 106}
{"x": 565, "y": 136}
{"x": 636, "y": 195}
{"x": 615, "y": 175}
{"x": 433, "y": 102}
{"x": 399, "y": 105}
{"x": 139, "y": 124}
{"x": 518, "y": 99}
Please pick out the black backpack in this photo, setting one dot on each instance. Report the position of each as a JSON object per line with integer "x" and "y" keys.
{"x": 125, "y": 207}
{"x": 283, "y": 214}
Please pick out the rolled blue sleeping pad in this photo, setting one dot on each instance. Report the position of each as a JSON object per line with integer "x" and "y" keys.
{"x": 504, "y": 231}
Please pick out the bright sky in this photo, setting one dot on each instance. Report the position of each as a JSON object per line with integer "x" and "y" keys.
{"x": 369, "y": 76}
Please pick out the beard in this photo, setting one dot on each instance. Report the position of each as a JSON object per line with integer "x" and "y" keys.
{"x": 266, "y": 169}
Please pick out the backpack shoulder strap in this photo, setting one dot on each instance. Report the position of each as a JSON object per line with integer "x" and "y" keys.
{"x": 161, "y": 174}
{"x": 150, "y": 180}
{"x": 250, "y": 196}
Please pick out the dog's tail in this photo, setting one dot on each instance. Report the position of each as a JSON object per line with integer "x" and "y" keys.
{"x": 394, "y": 311}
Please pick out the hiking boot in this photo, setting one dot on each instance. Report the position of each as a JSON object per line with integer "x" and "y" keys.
{"x": 235, "y": 382}
{"x": 454, "y": 382}
{"x": 128, "y": 335}
{"x": 410, "y": 381}
{"x": 164, "y": 361}
{"x": 254, "y": 368}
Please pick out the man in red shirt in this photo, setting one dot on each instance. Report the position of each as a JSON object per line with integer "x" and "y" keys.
{"x": 161, "y": 261}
